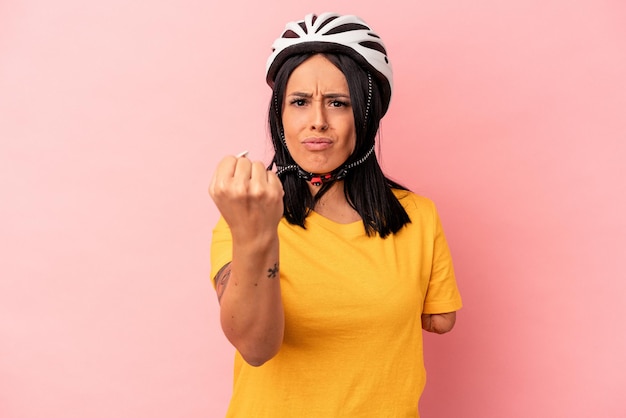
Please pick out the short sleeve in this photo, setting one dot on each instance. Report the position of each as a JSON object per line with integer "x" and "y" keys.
{"x": 443, "y": 294}
{"x": 221, "y": 247}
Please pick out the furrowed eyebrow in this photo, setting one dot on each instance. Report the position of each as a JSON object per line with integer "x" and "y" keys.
{"x": 326, "y": 96}
{"x": 300, "y": 94}
{"x": 337, "y": 96}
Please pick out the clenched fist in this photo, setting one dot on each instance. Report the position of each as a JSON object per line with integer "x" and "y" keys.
{"x": 249, "y": 197}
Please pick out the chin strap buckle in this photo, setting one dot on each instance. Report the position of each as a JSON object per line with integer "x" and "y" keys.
{"x": 317, "y": 180}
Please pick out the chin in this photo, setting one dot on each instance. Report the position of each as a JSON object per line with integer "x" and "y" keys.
{"x": 319, "y": 168}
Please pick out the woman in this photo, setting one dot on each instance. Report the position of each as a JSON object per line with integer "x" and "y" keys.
{"x": 325, "y": 270}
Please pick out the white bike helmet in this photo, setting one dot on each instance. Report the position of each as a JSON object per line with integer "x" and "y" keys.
{"x": 331, "y": 32}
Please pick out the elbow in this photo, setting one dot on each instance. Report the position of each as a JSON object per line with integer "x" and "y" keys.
{"x": 256, "y": 357}
{"x": 257, "y": 351}
{"x": 256, "y": 361}
{"x": 439, "y": 323}
{"x": 443, "y": 330}
{"x": 444, "y": 326}
{"x": 256, "y": 341}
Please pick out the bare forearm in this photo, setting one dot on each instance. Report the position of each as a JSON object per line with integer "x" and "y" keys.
{"x": 252, "y": 314}
{"x": 250, "y": 199}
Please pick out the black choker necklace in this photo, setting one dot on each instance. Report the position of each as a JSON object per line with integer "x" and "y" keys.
{"x": 318, "y": 179}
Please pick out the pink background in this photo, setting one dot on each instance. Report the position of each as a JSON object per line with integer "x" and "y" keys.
{"x": 510, "y": 115}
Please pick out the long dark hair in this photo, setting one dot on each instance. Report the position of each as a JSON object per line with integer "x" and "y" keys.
{"x": 366, "y": 188}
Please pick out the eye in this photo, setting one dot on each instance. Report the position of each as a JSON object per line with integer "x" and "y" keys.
{"x": 298, "y": 102}
{"x": 339, "y": 103}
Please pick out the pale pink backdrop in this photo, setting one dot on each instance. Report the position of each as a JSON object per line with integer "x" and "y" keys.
{"x": 510, "y": 115}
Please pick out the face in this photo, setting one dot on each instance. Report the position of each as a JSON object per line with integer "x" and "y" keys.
{"x": 317, "y": 116}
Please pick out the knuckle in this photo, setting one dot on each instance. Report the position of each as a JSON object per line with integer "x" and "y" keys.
{"x": 228, "y": 189}
{"x": 243, "y": 163}
{"x": 256, "y": 193}
{"x": 238, "y": 190}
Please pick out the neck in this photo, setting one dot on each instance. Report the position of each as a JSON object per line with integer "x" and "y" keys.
{"x": 334, "y": 205}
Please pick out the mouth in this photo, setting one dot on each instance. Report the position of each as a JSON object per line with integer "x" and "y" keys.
{"x": 317, "y": 144}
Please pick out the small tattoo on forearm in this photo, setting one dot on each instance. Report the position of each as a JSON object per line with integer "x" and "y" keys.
{"x": 221, "y": 280}
{"x": 272, "y": 272}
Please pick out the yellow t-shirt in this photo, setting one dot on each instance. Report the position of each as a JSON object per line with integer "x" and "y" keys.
{"x": 353, "y": 340}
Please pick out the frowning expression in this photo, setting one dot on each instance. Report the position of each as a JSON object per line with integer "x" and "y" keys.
{"x": 317, "y": 116}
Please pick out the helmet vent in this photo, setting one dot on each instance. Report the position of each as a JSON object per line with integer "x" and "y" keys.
{"x": 346, "y": 28}
{"x": 374, "y": 45}
{"x": 326, "y": 22}
{"x": 290, "y": 34}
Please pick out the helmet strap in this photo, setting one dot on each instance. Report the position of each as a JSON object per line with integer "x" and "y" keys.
{"x": 369, "y": 99}
{"x": 317, "y": 179}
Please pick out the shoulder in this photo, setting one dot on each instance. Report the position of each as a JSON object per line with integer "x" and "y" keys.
{"x": 421, "y": 210}
{"x": 414, "y": 203}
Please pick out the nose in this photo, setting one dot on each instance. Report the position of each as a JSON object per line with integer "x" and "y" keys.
{"x": 319, "y": 120}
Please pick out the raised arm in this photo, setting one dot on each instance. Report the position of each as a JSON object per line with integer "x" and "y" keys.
{"x": 251, "y": 311}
